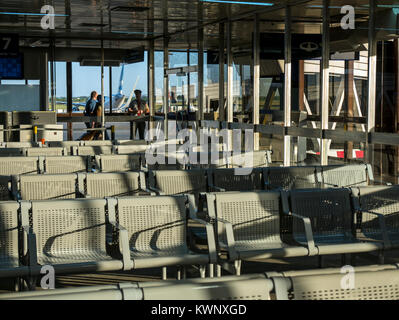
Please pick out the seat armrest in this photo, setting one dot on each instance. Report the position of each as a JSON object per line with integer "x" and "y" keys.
{"x": 381, "y": 222}
{"x": 30, "y": 250}
{"x": 124, "y": 249}
{"x": 228, "y": 229}
{"x": 210, "y": 235}
{"x": 215, "y": 188}
{"x": 157, "y": 191}
{"x": 308, "y": 233}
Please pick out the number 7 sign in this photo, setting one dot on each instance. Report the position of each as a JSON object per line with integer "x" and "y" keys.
{"x": 9, "y": 43}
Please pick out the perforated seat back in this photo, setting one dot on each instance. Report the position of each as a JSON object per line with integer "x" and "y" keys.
{"x": 176, "y": 182}
{"x": 63, "y": 144}
{"x": 330, "y": 213}
{"x": 66, "y": 164}
{"x": 230, "y": 181}
{"x": 379, "y": 285}
{"x": 383, "y": 200}
{"x": 254, "y": 216}
{"x": 94, "y": 150}
{"x": 155, "y": 224}
{"x": 253, "y": 159}
{"x": 4, "y": 191}
{"x": 68, "y": 228}
{"x": 46, "y": 187}
{"x": 8, "y": 234}
{"x": 292, "y": 178}
{"x": 119, "y": 163}
{"x": 345, "y": 176}
{"x": 37, "y": 152}
{"x": 12, "y": 152}
{"x": 18, "y": 165}
{"x": 98, "y": 143}
{"x": 210, "y": 160}
{"x": 112, "y": 184}
{"x": 129, "y": 149}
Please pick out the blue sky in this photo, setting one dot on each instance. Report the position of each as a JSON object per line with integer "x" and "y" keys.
{"x": 87, "y": 79}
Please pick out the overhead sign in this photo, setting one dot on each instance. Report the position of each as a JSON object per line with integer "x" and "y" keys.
{"x": 303, "y": 46}
{"x": 9, "y": 44}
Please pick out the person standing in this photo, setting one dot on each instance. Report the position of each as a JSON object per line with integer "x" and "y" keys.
{"x": 90, "y": 109}
{"x": 140, "y": 108}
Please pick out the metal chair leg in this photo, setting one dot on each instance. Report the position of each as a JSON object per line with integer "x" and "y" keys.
{"x": 218, "y": 270}
{"x": 211, "y": 270}
{"x": 164, "y": 273}
{"x": 237, "y": 266}
{"x": 202, "y": 270}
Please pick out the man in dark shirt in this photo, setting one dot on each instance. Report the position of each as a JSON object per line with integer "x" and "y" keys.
{"x": 140, "y": 108}
{"x": 90, "y": 109}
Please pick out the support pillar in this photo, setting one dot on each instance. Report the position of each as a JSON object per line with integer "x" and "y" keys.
{"x": 325, "y": 81}
{"x": 287, "y": 86}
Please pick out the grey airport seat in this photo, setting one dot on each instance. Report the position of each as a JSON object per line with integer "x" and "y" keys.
{"x": 252, "y": 287}
{"x": 130, "y": 142}
{"x": 6, "y": 188}
{"x": 66, "y": 164}
{"x": 63, "y": 144}
{"x": 173, "y": 182}
{"x": 288, "y": 178}
{"x": 42, "y": 152}
{"x": 12, "y": 152}
{"x": 119, "y": 184}
{"x": 71, "y": 236}
{"x": 46, "y": 186}
{"x": 248, "y": 227}
{"x": 251, "y": 159}
{"x": 9, "y": 241}
{"x": 347, "y": 176}
{"x": 230, "y": 180}
{"x": 372, "y": 285}
{"x": 21, "y": 144}
{"x": 96, "y": 143}
{"x": 379, "y": 204}
{"x": 92, "y": 150}
{"x": 129, "y": 149}
{"x": 212, "y": 160}
{"x": 332, "y": 221}
{"x": 19, "y": 165}
{"x": 157, "y": 232}
{"x": 167, "y": 162}
{"x": 118, "y": 163}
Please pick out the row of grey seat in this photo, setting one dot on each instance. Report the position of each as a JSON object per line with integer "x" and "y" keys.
{"x": 91, "y": 235}
{"x": 371, "y": 283}
{"x": 171, "y": 182}
{"x": 114, "y": 163}
{"x": 84, "y": 235}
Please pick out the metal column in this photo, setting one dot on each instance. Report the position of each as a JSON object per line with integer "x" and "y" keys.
{"x": 102, "y": 89}
{"x": 165, "y": 67}
{"x": 69, "y": 97}
{"x": 349, "y": 99}
{"x": 151, "y": 83}
{"x": 222, "y": 110}
{"x": 44, "y": 85}
{"x": 256, "y": 80}
{"x": 372, "y": 75}
{"x": 200, "y": 114}
{"x": 229, "y": 113}
{"x": 287, "y": 86}
{"x": 110, "y": 90}
{"x": 325, "y": 81}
